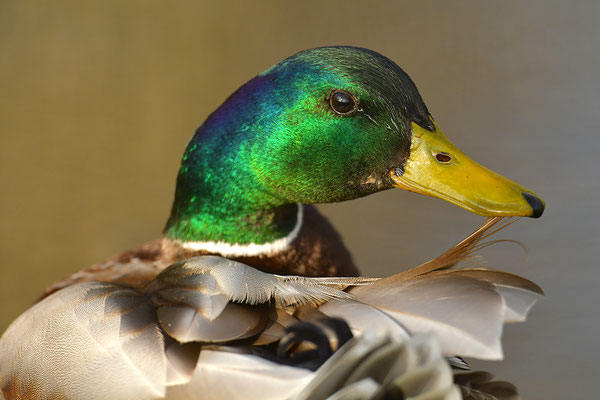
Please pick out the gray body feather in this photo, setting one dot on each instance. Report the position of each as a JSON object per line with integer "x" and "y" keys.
{"x": 173, "y": 339}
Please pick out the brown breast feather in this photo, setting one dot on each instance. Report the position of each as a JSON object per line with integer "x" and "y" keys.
{"x": 318, "y": 250}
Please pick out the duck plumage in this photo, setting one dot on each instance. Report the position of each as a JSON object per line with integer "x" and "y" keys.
{"x": 246, "y": 259}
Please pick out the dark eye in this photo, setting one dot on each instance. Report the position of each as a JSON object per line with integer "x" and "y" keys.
{"x": 342, "y": 102}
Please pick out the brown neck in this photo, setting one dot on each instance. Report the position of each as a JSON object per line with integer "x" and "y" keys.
{"x": 318, "y": 250}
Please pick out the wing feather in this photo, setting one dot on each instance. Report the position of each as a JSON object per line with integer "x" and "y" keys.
{"x": 71, "y": 344}
{"x": 223, "y": 373}
{"x": 243, "y": 284}
{"x": 464, "y": 314}
{"x": 236, "y": 321}
{"x": 374, "y": 366}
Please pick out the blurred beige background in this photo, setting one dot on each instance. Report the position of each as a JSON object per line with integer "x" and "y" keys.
{"x": 97, "y": 102}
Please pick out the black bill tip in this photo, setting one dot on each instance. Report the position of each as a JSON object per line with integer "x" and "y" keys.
{"x": 536, "y": 204}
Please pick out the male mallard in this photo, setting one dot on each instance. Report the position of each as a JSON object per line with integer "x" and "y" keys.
{"x": 325, "y": 125}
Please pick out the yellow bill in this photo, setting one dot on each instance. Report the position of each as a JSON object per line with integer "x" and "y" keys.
{"x": 437, "y": 168}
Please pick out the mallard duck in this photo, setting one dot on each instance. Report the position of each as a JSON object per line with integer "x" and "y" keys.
{"x": 246, "y": 256}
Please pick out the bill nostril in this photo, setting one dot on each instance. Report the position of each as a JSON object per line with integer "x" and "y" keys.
{"x": 443, "y": 157}
{"x": 536, "y": 204}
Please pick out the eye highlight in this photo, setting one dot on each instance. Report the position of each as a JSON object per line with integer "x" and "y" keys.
{"x": 342, "y": 102}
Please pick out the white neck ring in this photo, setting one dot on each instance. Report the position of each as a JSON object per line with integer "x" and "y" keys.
{"x": 251, "y": 249}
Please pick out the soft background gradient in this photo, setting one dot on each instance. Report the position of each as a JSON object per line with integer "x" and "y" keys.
{"x": 97, "y": 102}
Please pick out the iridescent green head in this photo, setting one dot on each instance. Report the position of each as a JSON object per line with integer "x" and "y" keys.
{"x": 325, "y": 125}
{"x": 339, "y": 120}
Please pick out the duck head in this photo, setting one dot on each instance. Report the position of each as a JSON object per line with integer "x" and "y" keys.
{"x": 325, "y": 125}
